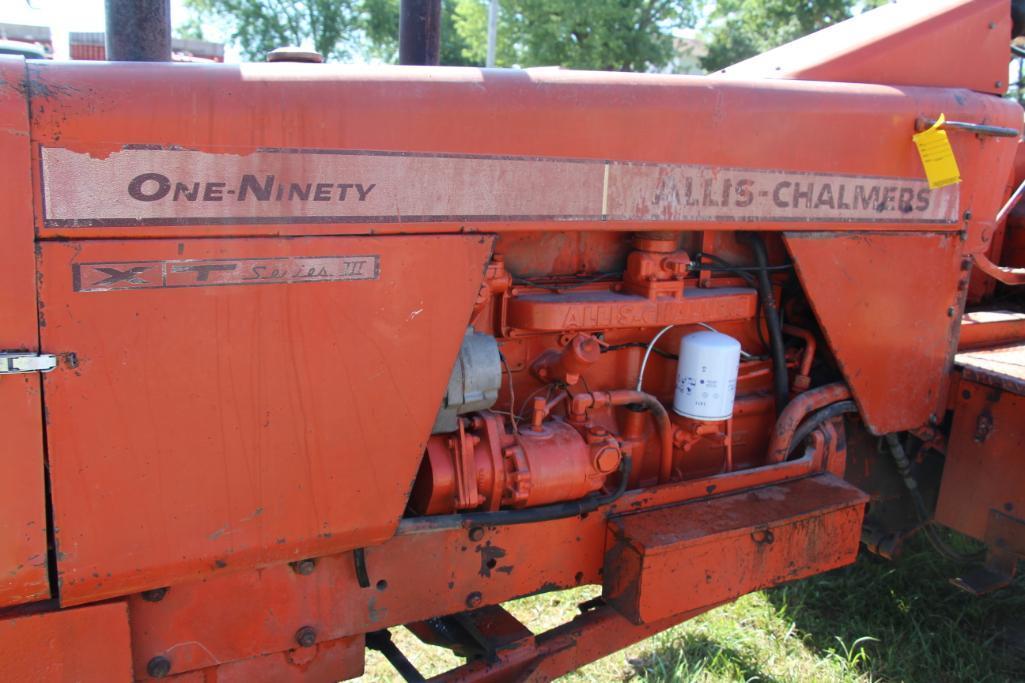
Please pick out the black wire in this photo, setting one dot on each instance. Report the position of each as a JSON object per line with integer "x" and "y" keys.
{"x": 759, "y": 318}
{"x": 512, "y": 391}
{"x": 562, "y": 287}
{"x": 542, "y": 513}
{"x": 750, "y": 279}
{"x": 640, "y": 345}
{"x": 548, "y": 397}
{"x": 739, "y": 269}
{"x": 900, "y": 458}
{"x": 725, "y": 264}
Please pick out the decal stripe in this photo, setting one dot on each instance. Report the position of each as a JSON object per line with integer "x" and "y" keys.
{"x": 146, "y": 186}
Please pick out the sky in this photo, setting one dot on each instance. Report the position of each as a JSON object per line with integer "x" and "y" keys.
{"x": 64, "y": 16}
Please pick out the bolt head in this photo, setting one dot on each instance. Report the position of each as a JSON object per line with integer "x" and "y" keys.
{"x": 158, "y": 667}
{"x": 294, "y": 54}
{"x": 476, "y": 533}
{"x": 306, "y": 636}
{"x": 474, "y": 599}
{"x": 607, "y": 460}
{"x": 154, "y": 594}
{"x": 304, "y": 567}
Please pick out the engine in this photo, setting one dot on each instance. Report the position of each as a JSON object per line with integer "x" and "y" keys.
{"x": 559, "y": 389}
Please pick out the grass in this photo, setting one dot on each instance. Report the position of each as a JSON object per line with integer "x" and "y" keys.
{"x": 871, "y": 622}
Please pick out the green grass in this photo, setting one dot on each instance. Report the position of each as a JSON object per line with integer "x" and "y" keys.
{"x": 874, "y": 621}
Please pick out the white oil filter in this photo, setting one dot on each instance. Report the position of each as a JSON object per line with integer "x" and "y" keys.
{"x": 706, "y": 376}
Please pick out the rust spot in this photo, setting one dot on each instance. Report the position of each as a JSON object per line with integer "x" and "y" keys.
{"x": 374, "y": 613}
{"x": 489, "y": 557}
{"x": 983, "y": 426}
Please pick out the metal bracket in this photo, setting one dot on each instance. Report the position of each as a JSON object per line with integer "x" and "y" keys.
{"x": 924, "y": 123}
{"x": 14, "y": 363}
{"x": 1005, "y": 537}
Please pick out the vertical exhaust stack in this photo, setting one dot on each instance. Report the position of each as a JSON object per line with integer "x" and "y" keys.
{"x": 138, "y": 30}
{"x": 420, "y": 32}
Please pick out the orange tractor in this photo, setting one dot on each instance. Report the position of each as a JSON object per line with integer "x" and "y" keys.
{"x": 296, "y": 353}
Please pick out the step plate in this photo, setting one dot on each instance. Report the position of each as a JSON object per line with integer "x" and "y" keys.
{"x": 681, "y": 558}
{"x": 1002, "y": 367}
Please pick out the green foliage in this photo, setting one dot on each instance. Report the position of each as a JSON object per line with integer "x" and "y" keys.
{"x": 621, "y": 35}
{"x": 618, "y": 35}
{"x": 739, "y": 29}
{"x": 470, "y": 22}
{"x": 191, "y": 28}
{"x": 259, "y": 26}
{"x": 612, "y": 35}
{"x": 380, "y": 23}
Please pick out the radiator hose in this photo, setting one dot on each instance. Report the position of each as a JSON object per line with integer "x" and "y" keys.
{"x": 781, "y": 383}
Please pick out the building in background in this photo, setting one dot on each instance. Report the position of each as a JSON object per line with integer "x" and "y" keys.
{"x": 91, "y": 46}
{"x": 687, "y": 57}
{"x": 38, "y": 36}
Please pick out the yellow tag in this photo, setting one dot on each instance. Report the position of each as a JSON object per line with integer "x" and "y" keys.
{"x": 937, "y": 156}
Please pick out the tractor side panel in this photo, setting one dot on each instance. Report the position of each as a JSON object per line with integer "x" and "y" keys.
{"x": 890, "y": 307}
{"x": 88, "y": 644}
{"x": 230, "y": 403}
{"x": 23, "y": 573}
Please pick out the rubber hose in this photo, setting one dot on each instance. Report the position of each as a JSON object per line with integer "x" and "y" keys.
{"x": 816, "y": 419}
{"x": 781, "y": 381}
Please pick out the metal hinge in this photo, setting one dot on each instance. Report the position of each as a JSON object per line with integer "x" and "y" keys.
{"x": 19, "y": 363}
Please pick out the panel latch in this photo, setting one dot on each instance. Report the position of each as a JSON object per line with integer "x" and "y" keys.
{"x": 16, "y": 363}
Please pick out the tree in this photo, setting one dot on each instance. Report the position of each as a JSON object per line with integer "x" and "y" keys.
{"x": 190, "y": 29}
{"x": 739, "y": 29}
{"x": 611, "y": 35}
{"x": 259, "y": 26}
{"x": 380, "y": 22}
{"x": 620, "y": 35}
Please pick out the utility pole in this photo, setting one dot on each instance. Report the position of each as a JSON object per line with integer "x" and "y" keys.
{"x": 420, "y": 32}
{"x": 492, "y": 33}
{"x": 138, "y": 30}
